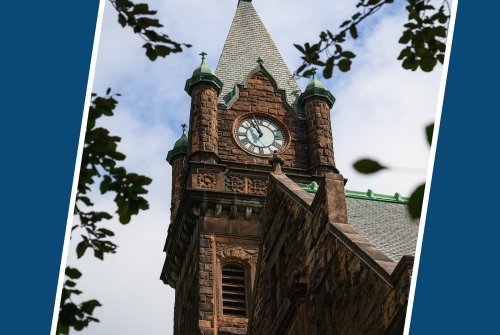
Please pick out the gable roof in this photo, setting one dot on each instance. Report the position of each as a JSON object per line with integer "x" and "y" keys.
{"x": 246, "y": 42}
{"x": 381, "y": 219}
{"x": 386, "y": 225}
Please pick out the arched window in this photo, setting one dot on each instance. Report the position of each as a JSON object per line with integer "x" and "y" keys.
{"x": 234, "y": 290}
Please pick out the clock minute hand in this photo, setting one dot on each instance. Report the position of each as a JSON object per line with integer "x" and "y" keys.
{"x": 256, "y": 125}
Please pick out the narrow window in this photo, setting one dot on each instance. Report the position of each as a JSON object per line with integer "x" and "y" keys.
{"x": 233, "y": 290}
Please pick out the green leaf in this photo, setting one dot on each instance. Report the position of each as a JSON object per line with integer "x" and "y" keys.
{"x": 428, "y": 64}
{"x": 81, "y": 248}
{"x": 70, "y": 283}
{"x": 122, "y": 20}
{"x": 328, "y": 70}
{"x": 150, "y": 52}
{"x": 89, "y": 306}
{"x": 345, "y": 23}
{"x": 344, "y": 65}
{"x": 415, "y": 202}
{"x": 106, "y": 232}
{"x": 62, "y": 329}
{"x": 162, "y": 50}
{"x": 429, "y": 131}
{"x": 348, "y": 54}
{"x": 354, "y": 31}
{"x": 72, "y": 273}
{"x": 368, "y": 166}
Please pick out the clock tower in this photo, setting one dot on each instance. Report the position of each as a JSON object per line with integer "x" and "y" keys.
{"x": 244, "y": 116}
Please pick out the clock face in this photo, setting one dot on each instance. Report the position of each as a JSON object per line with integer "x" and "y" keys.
{"x": 260, "y": 135}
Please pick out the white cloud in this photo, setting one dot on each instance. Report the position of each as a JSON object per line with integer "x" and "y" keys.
{"x": 380, "y": 112}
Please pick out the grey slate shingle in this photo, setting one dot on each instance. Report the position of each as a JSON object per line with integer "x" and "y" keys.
{"x": 248, "y": 40}
{"x": 388, "y": 226}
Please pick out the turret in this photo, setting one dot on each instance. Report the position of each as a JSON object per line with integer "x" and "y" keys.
{"x": 317, "y": 102}
{"x": 176, "y": 157}
{"x": 204, "y": 88}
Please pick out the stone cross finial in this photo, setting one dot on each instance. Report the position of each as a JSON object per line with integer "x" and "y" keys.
{"x": 313, "y": 70}
{"x": 276, "y": 161}
{"x": 260, "y": 61}
{"x": 183, "y": 126}
{"x": 203, "y": 54}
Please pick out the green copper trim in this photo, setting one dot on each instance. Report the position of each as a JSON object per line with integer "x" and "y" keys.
{"x": 203, "y": 74}
{"x": 180, "y": 146}
{"x": 316, "y": 89}
{"x": 368, "y": 195}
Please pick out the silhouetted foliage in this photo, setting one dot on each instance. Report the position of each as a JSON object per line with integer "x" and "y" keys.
{"x": 142, "y": 20}
{"x": 424, "y": 38}
{"x": 99, "y": 164}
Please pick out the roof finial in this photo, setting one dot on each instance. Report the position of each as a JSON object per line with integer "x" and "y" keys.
{"x": 313, "y": 71}
{"x": 183, "y": 126}
{"x": 277, "y": 162}
{"x": 260, "y": 61}
{"x": 203, "y": 54}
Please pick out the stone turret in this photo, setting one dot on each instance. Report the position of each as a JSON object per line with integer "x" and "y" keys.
{"x": 204, "y": 88}
{"x": 317, "y": 102}
{"x": 176, "y": 158}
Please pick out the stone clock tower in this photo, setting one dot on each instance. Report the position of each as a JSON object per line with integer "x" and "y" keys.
{"x": 247, "y": 113}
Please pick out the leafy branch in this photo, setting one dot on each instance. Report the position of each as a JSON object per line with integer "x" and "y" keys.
{"x": 141, "y": 19}
{"x": 71, "y": 314}
{"x": 424, "y": 38}
{"x": 99, "y": 164}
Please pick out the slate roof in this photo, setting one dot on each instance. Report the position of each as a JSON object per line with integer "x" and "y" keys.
{"x": 386, "y": 225}
{"x": 248, "y": 40}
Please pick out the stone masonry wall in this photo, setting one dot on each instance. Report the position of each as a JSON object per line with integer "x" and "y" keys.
{"x": 186, "y": 295}
{"x": 178, "y": 175}
{"x": 261, "y": 96}
{"x": 309, "y": 281}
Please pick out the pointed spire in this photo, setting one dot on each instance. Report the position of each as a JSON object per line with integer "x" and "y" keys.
{"x": 247, "y": 41}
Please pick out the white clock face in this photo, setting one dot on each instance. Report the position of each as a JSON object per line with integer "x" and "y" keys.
{"x": 260, "y": 135}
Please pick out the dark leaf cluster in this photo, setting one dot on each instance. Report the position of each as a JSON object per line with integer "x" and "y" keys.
{"x": 424, "y": 36}
{"x": 71, "y": 314}
{"x": 328, "y": 52}
{"x": 142, "y": 20}
{"x": 99, "y": 164}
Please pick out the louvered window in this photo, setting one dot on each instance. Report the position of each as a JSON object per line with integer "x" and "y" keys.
{"x": 233, "y": 290}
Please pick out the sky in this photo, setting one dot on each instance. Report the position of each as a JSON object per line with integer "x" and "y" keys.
{"x": 380, "y": 112}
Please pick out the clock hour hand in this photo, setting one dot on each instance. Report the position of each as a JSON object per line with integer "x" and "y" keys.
{"x": 256, "y": 125}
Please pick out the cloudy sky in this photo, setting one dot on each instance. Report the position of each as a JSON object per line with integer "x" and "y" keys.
{"x": 380, "y": 112}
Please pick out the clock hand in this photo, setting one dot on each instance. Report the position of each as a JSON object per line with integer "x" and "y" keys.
{"x": 257, "y": 126}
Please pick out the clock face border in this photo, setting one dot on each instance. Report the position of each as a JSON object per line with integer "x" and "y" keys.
{"x": 280, "y": 124}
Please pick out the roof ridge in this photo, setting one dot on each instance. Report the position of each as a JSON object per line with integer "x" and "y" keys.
{"x": 368, "y": 195}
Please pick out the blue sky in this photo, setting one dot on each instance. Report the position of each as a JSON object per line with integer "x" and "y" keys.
{"x": 381, "y": 111}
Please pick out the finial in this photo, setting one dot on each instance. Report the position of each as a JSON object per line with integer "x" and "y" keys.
{"x": 276, "y": 161}
{"x": 260, "y": 61}
{"x": 183, "y": 126}
{"x": 203, "y": 54}
{"x": 313, "y": 71}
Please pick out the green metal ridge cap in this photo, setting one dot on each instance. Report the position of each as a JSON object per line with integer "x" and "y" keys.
{"x": 368, "y": 195}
